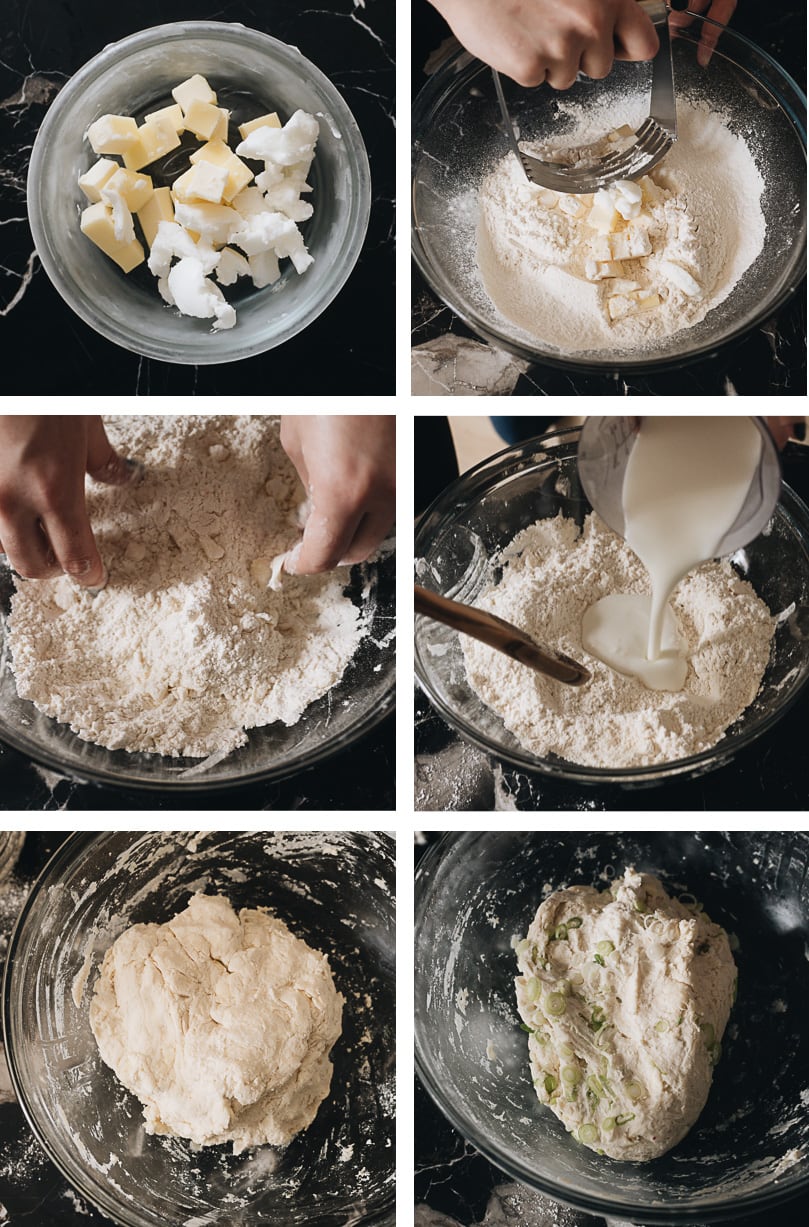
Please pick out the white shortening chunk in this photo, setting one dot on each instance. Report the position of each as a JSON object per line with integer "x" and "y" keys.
{"x": 158, "y": 208}
{"x": 212, "y": 222}
{"x": 630, "y": 244}
{"x": 231, "y": 266}
{"x": 194, "y": 294}
{"x": 156, "y": 137}
{"x": 261, "y": 232}
{"x": 571, "y": 205}
{"x": 264, "y": 269}
{"x": 96, "y": 223}
{"x": 546, "y": 197}
{"x": 263, "y": 121}
{"x": 249, "y": 201}
{"x": 173, "y": 241}
{"x": 285, "y": 198}
{"x": 113, "y": 134}
{"x": 195, "y": 88}
{"x": 681, "y": 277}
{"x": 172, "y": 114}
{"x": 122, "y": 225}
{"x": 629, "y": 190}
{"x": 284, "y": 146}
{"x": 628, "y": 209}
{"x": 203, "y": 181}
{"x": 602, "y": 217}
{"x": 92, "y": 181}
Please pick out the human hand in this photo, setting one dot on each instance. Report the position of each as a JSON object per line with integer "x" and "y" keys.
{"x": 348, "y": 468}
{"x": 784, "y": 429}
{"x": 44, "y": 526}
{"x": 717, "y": 10}
{"x": 533, "y": 41}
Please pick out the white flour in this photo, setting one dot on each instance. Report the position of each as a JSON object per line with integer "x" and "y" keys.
{"x": 186, "y": 647}
{"x": 552, "y": 575}
{"x": 701, "y": 213}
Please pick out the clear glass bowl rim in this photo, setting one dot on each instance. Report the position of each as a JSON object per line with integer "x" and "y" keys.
{"x": 118, "y": 52}
{"x": 651, "y": 1214}
{"x": 459, "y": 491}
{"x": 444, "y": 81}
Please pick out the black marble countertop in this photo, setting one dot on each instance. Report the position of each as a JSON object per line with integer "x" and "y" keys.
{"x": 43, "y": 42}
{"x": 769, "y": 361}
{"x": 455, "y": 1186}
{"x": 361, "y": 777}
{"x": 769, "y": 775}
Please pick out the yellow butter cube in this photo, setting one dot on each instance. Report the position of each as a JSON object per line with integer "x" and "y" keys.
{"x": 92, "y": 181}
{"x": 195, "y": 88}
{"x": 263, "y": 121}
{"x": 173, "y": 115}
{"x": 158, "y": 208}
{"x": 113, "y": 134}
{"x": 203, "y": 181}
{"x": 97, "y": 224}
{"x": 134, "y": 189}
{"x": 603, "y": 217}
{"x": 207, "y": 122}
{"x": 220, "y": 154}
{"x": 155, "y": 138}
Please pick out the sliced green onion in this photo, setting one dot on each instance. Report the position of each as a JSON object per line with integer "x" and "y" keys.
{"x": 571, "y": 1075}
{"x": 588, "y": 1133}
{"x": 576, "y": 978}
{"x": 680, "y": 1020}
{"x": 605, "y": 948}
{"x": 559, "y": 934}
{"x": 608, "y": 1124}
{"x": 597, "y": 1018}
{"x": 598, "y": 959}
{"x": 634, "y": 1090}
{"x": 524, "y": 1027}
{"x": 661, "y": 1026}
{"x": 566, "y": 1051}
{"x": 687, "y": 899}
{"x": 594, "y": 1086}
{"x": 607, "y": 1087}
{"x": 550, "y": 1084}
{"x": 522, "y": 946}
{"x": 575, "y": 922}
{"x": 555, "y": 1005}
{"x": 532, "y": 990}
{"x": 640, "y": 907}
{"x": 624, "y": 1118}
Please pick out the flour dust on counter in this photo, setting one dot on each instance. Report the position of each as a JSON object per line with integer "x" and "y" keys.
{"x": 189, "y": 644}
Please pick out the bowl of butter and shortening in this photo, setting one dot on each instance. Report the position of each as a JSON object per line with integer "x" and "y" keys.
{"x": 251, "y": 75}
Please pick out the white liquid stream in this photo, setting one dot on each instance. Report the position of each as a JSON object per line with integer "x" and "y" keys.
{"x": 685, "y": 483}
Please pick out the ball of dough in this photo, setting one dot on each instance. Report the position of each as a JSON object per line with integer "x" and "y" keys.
{"x": 220, "y": 1023}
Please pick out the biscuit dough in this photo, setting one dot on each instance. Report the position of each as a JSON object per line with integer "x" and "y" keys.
{"x": 221, "y": 1024}
{"x": 626, "y": 994}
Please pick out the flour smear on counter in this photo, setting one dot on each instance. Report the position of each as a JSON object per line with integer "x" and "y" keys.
{"x": 700, "y": 229}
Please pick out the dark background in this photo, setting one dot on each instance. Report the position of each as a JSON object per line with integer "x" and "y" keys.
{"x": 771, "y": 360}
{"x": 347, "y": 350}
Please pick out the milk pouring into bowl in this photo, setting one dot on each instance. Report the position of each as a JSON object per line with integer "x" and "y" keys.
{"x": 685, "y": 483}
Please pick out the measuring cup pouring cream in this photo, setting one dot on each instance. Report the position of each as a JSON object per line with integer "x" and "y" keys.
{"x": 680, "y": 491}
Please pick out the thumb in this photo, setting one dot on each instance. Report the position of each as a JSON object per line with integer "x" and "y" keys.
{"x": 103, "y": 462}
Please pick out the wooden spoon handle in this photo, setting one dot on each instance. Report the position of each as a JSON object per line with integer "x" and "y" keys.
{"x": 490, "y": 629}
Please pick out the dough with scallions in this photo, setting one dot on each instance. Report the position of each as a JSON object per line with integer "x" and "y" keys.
{"x": 221, "y": 1024}
{"x": 626, "y": 993}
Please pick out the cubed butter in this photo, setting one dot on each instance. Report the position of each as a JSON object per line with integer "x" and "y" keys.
{"x": 603, "y": 217}
{"x": 173, "y": 115}
{"x": 263, "y": 121}
{"x": 219, "y": 154}
{"x": 630, "y": 244}
{"x": 203, "y": 181}
{"x": 97, "y": 224}
{"x": 92, "y": 181}
{"x": 195, "y": 89}
{"x": 159, "y": 208}
{"x": 134, "y": 189}
{"x": 571, "y": 205}
{"x": 113, "y": 134}
{"x": 206, "y": 121}
{"x": 155, "y": 138}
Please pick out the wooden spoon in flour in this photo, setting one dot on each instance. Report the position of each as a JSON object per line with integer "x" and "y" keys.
{"x": 490, "y": 629}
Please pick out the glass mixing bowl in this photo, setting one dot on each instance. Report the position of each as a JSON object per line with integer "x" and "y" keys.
{"x": 749, "y": 1150}
{"x": 457, "y": 544}
{"x": 336, "y": 891}
{"x": 252, "y": 74}
{"x": 360, "y": 700}
{"x": 458, "y": 138}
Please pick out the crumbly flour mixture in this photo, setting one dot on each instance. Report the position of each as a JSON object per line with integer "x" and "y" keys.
{"x": 221, "y": 1024}
{"x": 626, "y": 994}
{"x": 617, "y": 271}
{"x": 187, "y": 646}
{"x": 552, "y": 575}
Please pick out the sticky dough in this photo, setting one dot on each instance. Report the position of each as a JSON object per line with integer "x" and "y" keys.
{"x": 220, "y": 1023}
{"x": 626, "y": 993}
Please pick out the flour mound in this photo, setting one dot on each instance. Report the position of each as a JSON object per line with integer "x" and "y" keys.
{"x": 702, "y": 214}
{"x": 186, "y": 647}
{"x": 552, "y": 575}
{"x": 221, "y": 1024}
